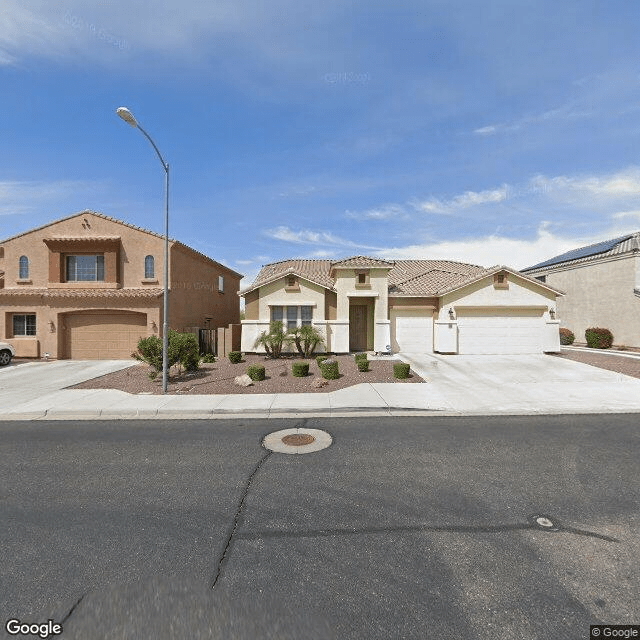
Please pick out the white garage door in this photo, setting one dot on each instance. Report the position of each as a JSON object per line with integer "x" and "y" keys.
{"x": 104, "y": 335}
{"x": 412, "y": 330}
{"x": 504, "y": 331}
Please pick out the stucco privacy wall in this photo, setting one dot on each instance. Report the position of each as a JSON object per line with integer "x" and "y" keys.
{"x": 601, "y": 294}
{"x": 275, "y": 294}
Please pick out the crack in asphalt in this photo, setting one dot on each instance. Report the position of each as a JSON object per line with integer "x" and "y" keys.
{"x": 236, "y": 519}
{"x": 63, "y": 621}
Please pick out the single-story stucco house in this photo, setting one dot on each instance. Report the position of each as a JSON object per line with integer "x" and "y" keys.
{"x": 89, "y": 286}
{"x": 363, "y": 303}
{"x": 601, "y": 283}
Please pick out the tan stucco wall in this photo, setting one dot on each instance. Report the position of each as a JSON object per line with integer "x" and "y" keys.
{"x": 345, "y": 284}
{"x": 484, "y": 294}
{"x": 330, "y": 305}
{"x": 251, "y": 305}
{"x": 194, "y": 281}
{"x": 412, "y": 302}
{"x": 601, "y": 294}
{"x": 274, "y": 293}
{"x": 195, "y": 295}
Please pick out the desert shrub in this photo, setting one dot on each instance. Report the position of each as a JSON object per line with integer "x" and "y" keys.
{"x": 235, "y": 357}
{"x": 300, "y": 369}
{"x": 208, "y": 358}
{"x": 256, "y": 372}
{"x": 362, "y": 364}
{"x": 321, "y": 359}
{"x": 184, "y": 350}
{"x": 329, "y": 369}
{"x": 305, "y": 339}
{"x": 598, "y": 338}
{"x": 360, "y": 356}
{"x": 273, "y": 340}
{"x": 566, "y": 336}
{"x": 401, "y": 370}
{"x": 150, "y": 351}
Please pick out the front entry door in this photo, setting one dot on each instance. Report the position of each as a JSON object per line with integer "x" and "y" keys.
{"x": 358, "y": 327}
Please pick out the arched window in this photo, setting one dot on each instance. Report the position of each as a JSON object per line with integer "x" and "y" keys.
{"x": 24, "y": 268}
{"x": 149, "y": 267}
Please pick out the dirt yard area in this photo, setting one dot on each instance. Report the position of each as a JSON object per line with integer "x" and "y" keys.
{"x": 218, "y": 378}
{"x": 604, "y": 360}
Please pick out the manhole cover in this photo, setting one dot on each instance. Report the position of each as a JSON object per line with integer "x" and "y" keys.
{"x": 298, "y": 439}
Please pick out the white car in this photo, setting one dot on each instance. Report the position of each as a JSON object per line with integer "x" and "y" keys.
{"x": 6, "y": 353}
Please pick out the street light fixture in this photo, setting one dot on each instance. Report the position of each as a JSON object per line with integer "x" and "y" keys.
{"x": 128, "y": 117}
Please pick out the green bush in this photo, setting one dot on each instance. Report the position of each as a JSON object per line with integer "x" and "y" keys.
{"x": 256, "y": 372}
{"x": 235, "y": 357}
{"x": 598, "y": 338}
{"x": 401, "y": 370}
{"x": 208, "y": 358}
{"x": 329, "y": 369}
{"x": 300, "y": 369}
{"x": 273, "y": 340}
{"x": 184, "y": 350}
{"x": 363, "y": 365}
{"x": 321, "y": 359}
{"x": 306, "y": 339}
{"x": 566, "y": 336}
{"x": 361, "y": 356}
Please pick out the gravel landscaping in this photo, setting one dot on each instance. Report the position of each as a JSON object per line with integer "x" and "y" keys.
{"x": 218, "y": 378}
{"x": 619, "y": 364}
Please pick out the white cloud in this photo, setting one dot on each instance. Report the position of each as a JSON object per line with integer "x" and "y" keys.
{"x": 464, "y": 201}
{"x": 385, "y": 212}
{"x": 490, "y": 250}
{"x": 627, "y": 214}
{"x": 305, "y": 236}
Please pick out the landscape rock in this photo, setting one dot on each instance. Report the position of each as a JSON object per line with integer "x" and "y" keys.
{"x": 319, "y": 382}
{"x": 243, "y": 381}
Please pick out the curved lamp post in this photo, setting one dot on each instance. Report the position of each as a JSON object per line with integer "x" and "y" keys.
{"x": 127, "y": 116}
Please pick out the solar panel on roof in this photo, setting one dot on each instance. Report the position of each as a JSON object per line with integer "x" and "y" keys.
{"x": 582, "y": 252}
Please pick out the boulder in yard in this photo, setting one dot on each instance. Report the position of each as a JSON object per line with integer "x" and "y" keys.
{"x": 243, "y": 381}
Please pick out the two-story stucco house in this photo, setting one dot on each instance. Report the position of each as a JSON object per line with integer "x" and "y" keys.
{"x": 89, "y": 286}
{"x": 602, "y": 287}
{"x": 363, "y": 303}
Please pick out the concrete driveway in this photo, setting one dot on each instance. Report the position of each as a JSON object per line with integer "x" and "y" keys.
{"x": 524, "y": 384}
{"x": 21, "y": 382}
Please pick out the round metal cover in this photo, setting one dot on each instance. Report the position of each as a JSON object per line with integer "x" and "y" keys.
{"x": 297, "y": 441}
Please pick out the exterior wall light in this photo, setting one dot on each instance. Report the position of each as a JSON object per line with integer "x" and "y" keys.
{"x": 552, "y": 313}
{"x": 452, "y": 315}
{"x": 52, "y": 327}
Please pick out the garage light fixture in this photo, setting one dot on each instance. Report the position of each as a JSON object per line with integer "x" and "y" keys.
{"x": 452, "y": 315}
{"x": 552, "y": 313}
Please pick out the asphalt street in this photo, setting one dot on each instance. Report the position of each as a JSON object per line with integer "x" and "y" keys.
{"x": 402, "y": 528}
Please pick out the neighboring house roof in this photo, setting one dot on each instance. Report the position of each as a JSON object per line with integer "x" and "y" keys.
{"x": 617, "y": 246}
{"x": 406, "y": 278}
{"x": 83, "y": 293}
{"x": 126, "y": 224}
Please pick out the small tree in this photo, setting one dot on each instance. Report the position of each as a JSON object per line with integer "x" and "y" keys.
{"x": 184, "y": 350}
{"x": 272, "y": 341}
{"x": 306, "y": 339}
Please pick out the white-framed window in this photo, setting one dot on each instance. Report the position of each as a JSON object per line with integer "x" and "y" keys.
{"x": 85, "y": 268}
{"x": 24, "y": 324}
{"x": 295, "y": 316}
{"x": 221, "y": 284}
{"x": 149, "y": 267}
{"x": 23, "y": 268}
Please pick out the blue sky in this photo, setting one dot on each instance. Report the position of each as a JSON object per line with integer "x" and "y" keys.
{"x": 493, "y": 133}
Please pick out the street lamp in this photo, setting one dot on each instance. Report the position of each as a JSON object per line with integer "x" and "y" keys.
{"x": 128, "y": 117}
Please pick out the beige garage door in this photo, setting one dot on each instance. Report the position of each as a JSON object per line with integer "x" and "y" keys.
{"x": 500, "y": 331}
{"x": 104, "y": 336}
{"x": 412, "y": 330}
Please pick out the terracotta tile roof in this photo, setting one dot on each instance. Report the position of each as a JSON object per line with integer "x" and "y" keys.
{"x": 430, "y": 283}
{"x": 363, "y": 262}
{"x": 318, "y": 271}
{"x": 81, "y": 238}
{"x": 83, "y": 293}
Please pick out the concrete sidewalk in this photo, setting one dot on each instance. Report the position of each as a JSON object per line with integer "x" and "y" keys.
{"x": 454, "y": 385}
